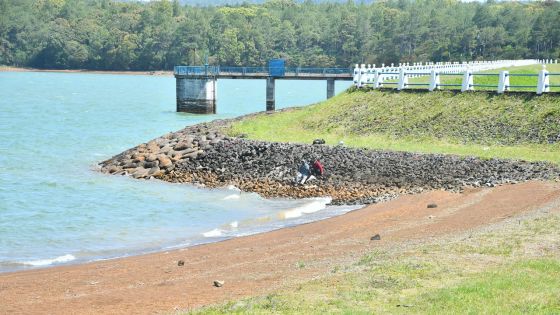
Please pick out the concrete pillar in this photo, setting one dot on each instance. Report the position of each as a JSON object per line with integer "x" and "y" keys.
{"x": 403, "y": 79}
{"x": 503, "y": 82}
{"x": 270, "y": 104}
{"x": 377, "y": 79}
{"x": 357, "y": 77}
{"x": 544, "y": 81}
{"x": 196, "y": 95}
{"x": 330, "y": 88}
{"x": 468, "y": 81}
{"x": 434, "y": 80}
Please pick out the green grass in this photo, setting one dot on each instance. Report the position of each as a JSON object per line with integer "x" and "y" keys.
{"x": 493, "y": 80}
{"x": 512, "y": 274}
{"x": 481, "y": 124}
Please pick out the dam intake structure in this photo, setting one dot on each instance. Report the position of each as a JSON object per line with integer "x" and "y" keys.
{"x": 197, "y": 85}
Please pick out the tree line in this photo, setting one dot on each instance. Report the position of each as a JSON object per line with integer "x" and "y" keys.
{"x": 156, "y": 35}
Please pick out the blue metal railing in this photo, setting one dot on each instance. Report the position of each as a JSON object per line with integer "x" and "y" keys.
{"x": 289, "y": 71}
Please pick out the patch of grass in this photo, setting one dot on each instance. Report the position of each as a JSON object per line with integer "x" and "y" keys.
{"x": 481, "y": 124}
{"x": 435, "y": 278}
{"x": 529, "y": 286}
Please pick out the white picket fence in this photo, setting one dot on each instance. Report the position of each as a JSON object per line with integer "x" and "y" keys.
{"x": 398, "y": 76}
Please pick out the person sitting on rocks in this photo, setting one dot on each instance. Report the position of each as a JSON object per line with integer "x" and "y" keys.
{"x": 317, "y": 168}
{"x": 303, "y": 173}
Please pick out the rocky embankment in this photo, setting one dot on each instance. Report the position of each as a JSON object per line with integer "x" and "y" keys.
{"x": 202, "y": 154}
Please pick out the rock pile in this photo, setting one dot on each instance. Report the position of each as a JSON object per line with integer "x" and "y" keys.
{"x": 203, "y": 154}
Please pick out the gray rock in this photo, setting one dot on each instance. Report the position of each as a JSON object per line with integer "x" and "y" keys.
{"x": 182, "y": 146}
{"x": 140, "y": 172}
{"x": 151, "y": 157}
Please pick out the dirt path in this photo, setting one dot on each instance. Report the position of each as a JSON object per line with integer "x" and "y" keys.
{"x": 258, "y": 264}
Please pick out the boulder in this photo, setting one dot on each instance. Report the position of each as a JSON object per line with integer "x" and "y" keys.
{"x": 182, "y": 146}
{"x": 319, "y": 141}
{"x": 155, "y": 171}
{"x": 140, "y": 172}
{"x": 151, "y": 164}
{"x": 151, "y": 157}
{"x": 164, "y": 161}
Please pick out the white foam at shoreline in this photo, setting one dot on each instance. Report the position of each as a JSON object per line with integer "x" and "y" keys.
{"x": 46, "y": 262}
{"x": 232, "y": 187}
{"x": 231, "y": 197}
{"x": 316, "y": 204}
{"x": 213, "y": 233}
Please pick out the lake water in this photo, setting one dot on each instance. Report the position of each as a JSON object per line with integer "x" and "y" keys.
{"x": 56, "y": 209}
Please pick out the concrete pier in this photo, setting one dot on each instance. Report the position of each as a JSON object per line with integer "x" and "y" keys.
{"x": 196, "y": 94}
{"x": 330, "y": 88}
{"x": 196, "y": 85}
{"x": 270, "y": 87}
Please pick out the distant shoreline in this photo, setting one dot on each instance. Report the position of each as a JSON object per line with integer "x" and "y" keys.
{"x": 154, "y": 73}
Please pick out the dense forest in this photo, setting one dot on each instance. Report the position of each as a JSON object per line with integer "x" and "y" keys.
{"x": 121, "y": 35}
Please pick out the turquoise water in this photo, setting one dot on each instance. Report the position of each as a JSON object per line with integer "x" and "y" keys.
{"x": 55, "y": 208}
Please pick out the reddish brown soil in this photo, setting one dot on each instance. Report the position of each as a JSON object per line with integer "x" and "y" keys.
{"x": 258, "y": 264}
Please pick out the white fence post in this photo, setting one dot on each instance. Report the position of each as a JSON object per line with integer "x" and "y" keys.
{"x": 403, "y": 79}
{"x": 468, "y": 82}
{"x": 363, "y": 75}
{"x": 377, "y": 79}
{"x": 357, "y": 75}
{"x": 434, "y": 80}
{"x": 544, "y": 81}
{"x": 503, "y": 82}
{"x": 368, "y": 74}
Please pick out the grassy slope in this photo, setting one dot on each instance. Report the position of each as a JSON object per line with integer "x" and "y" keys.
{"x": 511, "y": 269}
{"x": 480, "y": 124}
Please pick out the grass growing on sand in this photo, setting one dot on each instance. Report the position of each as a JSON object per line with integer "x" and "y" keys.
{"x": 511, "y": 268}
{"x": 481, "y": 124}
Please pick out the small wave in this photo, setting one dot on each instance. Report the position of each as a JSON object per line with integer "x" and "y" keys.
{"x": 234, "y": 224}
{"x": 46, "y": 262}
{"x": 314, "y": 205}
{"x": 231, "y": 187}
{"x": 181, "y": 245}
{"x": 231, "y": 197}
{"x": 213, "y": 233}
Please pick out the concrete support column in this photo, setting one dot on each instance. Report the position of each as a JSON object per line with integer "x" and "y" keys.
{"x": 543, "y": 84}
{"x": 330, "y": 88}
{"x": 503, "y": 82}
{"x": 468, "y": 81}
{"x": 270, "y": 103}
{"x": 403, "y": 79}
{"x": 196, "y": 95}
{"x": 434, "y": 80}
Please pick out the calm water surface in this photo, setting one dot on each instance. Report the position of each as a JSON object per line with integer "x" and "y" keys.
{"x": 55, "y": 208}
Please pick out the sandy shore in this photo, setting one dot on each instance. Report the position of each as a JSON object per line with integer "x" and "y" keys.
{"x": 158, "y": 73}
{"x": 260, "y": 263}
